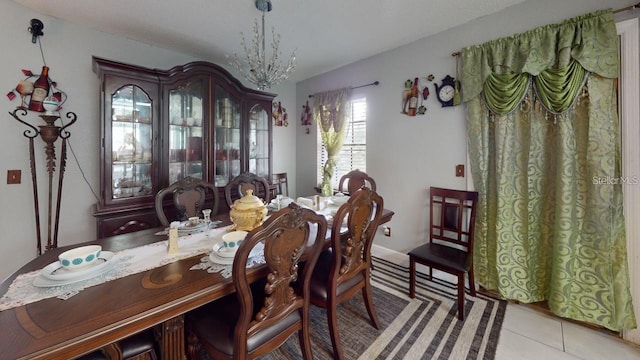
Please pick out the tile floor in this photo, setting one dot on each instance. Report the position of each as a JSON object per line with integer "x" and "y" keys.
{"x": 530, "y": 334}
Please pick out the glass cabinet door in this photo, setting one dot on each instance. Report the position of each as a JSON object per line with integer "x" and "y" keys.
{"x": 227, "y": 137}
{"x": 259, "y": 141}
{"x": 186, "y": 110}
{"x": 131, "y": 143}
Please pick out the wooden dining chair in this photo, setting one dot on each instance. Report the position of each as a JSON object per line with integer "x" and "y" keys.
{"x": 189, "y": 199}
{"x": 281, "y": 183}
{"x": 450, "y": 244}
{"x": 354, "y": 180}
{"x": 259, "y": 317}
{"x": 344, "y": 269}
{"x": 141, "y": 346}
{"x": 239, "y": 185}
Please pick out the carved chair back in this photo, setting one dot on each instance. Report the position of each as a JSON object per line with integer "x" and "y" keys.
{"x": 354, "y": 180}
{"x": 352, "y": 250}
{"x": 291, "y": 235}
{"x": 238, "y": 187}
{"x": 189, "y": 198}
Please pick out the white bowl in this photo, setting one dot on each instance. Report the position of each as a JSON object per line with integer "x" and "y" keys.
{"x": 79, "y": 258}
{"x": 339, "y": 199}
{"x": 232, "y": 240}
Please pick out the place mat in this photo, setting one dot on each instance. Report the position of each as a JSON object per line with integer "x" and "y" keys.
{"x": 211, "y": 265}
{"x": 22, "y": 290}
{"x": 206, "y": 263}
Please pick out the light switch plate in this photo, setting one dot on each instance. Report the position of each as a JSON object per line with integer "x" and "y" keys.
{"x": 459, "y": 170}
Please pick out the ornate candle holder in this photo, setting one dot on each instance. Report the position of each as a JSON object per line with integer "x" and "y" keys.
{"x": 50, "y": 132}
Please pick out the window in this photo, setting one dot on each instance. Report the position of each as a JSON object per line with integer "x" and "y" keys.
{"x": 353, "y": 154}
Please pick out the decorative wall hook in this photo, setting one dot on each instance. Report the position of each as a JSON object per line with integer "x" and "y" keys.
{"x": 36, "y": 29}
{"x": 306, "y": 117}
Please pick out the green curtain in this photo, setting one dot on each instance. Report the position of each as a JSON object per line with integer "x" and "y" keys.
{"x": 543, "y": 139}
{"x": 332, "y": 113}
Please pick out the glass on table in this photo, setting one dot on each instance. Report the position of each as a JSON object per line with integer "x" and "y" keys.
{"x": 207, "y": 218}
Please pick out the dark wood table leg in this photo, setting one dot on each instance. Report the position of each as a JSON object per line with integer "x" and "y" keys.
{"x": 171, "y": 339}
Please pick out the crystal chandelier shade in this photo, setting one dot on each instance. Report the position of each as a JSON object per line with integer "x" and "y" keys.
{"x": 257, "y": 68}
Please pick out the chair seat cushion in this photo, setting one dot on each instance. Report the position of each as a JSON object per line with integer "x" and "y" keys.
{"x": 96, "y": 355}
{"x": 214, "y": 323}
{"x": 441, "y": 256}
{"x": 131, "y": 347}
{"x": 319, "y": 284}
{"x": 138, "y": 344}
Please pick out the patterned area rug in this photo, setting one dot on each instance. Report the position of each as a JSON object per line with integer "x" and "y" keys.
{"x": 426, "y": 327}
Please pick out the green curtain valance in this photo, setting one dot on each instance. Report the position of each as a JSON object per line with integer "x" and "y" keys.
{"x": 503, "y": 92}
{"x": 556, "y": 89}
{"x": 589, "y": 39}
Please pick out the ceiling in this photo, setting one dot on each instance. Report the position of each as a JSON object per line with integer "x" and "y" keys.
{"x": 326, "y": 34}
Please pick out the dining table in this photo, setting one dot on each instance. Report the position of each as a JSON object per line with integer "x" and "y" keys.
{"x": 97, "y": 317}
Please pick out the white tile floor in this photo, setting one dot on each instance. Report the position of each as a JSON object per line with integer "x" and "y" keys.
{"x": 528, "y": 333}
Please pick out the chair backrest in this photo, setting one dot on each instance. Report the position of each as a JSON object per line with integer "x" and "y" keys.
{"x": 282, "y": 186}
{"x": 355, "y": 179}
{"x": 452, "y": 217}
{"x": 238, "y": 187}
{"x": 352, "y": 249}
{"x": 189, "y": 197}
{"x": 291, "y": 235}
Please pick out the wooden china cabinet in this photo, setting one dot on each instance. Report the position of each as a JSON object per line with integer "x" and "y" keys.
{"x": 158, "y": 126}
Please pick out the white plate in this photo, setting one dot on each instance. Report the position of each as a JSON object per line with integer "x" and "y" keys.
{"x": 219, "y": 256}
{"x": 339, "y": 200}
{"x": 284, "y": 202}
{"x": 55, "y": 275}
{"x": 216, "y": 259}
{"x": 187, "y": 228}
{"x": 223, "y": 251}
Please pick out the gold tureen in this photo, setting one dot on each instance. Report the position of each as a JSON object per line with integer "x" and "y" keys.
{"x": 248, "y": 212}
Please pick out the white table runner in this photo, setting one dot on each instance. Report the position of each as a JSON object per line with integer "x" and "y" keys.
{"x": 132, "y": 261}
{"x": 126, "y": 262}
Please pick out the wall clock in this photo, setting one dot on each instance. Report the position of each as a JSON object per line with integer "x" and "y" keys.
{"x": 446, "y": 91}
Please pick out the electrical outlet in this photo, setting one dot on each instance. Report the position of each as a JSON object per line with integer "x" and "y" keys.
{"x": 387, "y": 231}
{"x": 13, "y": 176}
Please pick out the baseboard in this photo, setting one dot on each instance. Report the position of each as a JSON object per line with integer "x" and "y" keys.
{"x": 390, "y": 255}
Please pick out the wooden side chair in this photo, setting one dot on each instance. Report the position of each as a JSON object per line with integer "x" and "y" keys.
{"x": 258, "y": 318}
{"x": 189, "y": 198}
{"x": 239, "y": 185}
{"x": 141, "y": 346}
{"x": 281, "y": 183}
{"x": 344, "y": 269}
{"x": 354, "y": 180}
{"x": 450, "y": 247}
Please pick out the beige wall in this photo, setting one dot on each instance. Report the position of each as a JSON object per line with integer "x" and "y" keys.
{"x": 68, "y": 50}
{"x": 407, "y": 155}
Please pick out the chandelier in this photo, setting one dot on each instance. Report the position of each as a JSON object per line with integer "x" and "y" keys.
{"x": 257, "y": 69}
